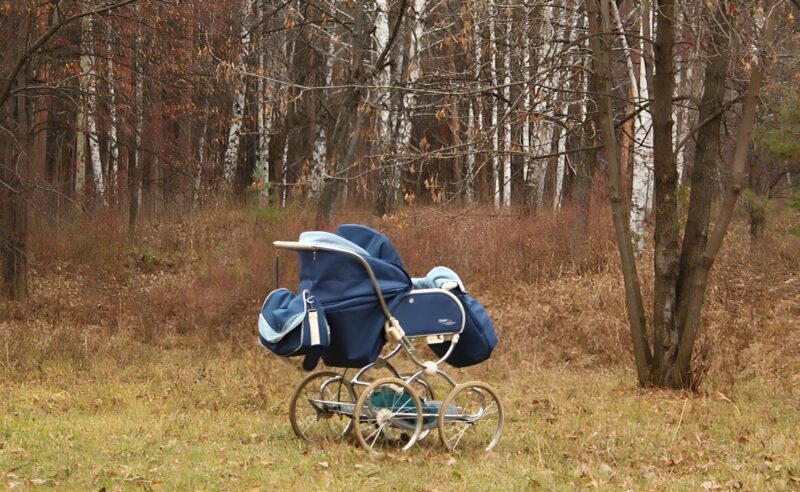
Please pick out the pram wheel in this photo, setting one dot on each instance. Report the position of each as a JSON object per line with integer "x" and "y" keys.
{"x": 388, "y": 413}
{"x": 321, "y": 406}
{"x": 471, "y": 417}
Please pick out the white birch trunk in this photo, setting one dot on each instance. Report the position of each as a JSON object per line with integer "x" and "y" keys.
{"x": 473, "y": 126}
{"x": 542, "y": 133}
{"x": 383, "y": 94}
{"x": 526, "y": 92}
{"x": 642, "y": 162}
{"x": 264, "y": 122}
{"x": 91, "y": 117}
{"x": 495, "y": 135}
{"x": 410, "y": 98}
{"x": 470, "y": 160}
{"x": 201, "y": 160}
{"x": 682, "y": 119}
{"x": 561, "y": 146}
{"x": 81, "y": 130}
{"x": 113, "y": 146}
{"x": 389, "y": 170}
{"x": 237, "y": 111}
{"x": 507, "y": 132}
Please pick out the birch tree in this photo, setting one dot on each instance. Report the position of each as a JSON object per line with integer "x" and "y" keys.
{"x": 413, "y": 64}
{"x": 507, "y": 95}
{"x": 88, "y": 61}
{"x": 113, "y": 145}
{"x": 237, "y": 109}
{"x": 493, "y": 69}
{"x": 388, "y": 171}
{"x": 264, "y": 115}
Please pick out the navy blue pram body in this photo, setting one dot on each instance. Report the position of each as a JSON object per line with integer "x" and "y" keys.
{"x": 338, "y": 270}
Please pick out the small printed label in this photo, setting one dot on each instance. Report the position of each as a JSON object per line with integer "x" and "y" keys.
{"x": 446, "y": 322}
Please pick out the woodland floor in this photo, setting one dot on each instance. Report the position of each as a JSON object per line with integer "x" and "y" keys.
{"x": 135, "y": 368}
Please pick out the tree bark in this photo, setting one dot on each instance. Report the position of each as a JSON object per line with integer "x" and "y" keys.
{"x": 706, "y": 151}
{"x": 388, "y": 170}
{"x": 237, "y": 111}
{"x": 633, "y": 296}
{"x": 347, "y": 130}
{"x": 666, "y": 258}
{"x": 680, "y": 376}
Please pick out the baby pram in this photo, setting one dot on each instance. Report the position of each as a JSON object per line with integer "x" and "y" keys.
{"x": 355, "y": 297}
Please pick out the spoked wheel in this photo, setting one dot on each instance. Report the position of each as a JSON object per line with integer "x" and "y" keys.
{"x": 388, "y": 414}
{"x": 471, "y": 417}
{"x": 321, "y": 406}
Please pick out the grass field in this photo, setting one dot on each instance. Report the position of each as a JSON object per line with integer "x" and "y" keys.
{"x": 215, "y": 419}
{"x": 138, "y": 370}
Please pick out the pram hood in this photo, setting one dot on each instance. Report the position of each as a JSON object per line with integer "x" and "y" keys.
{"x": 338, "y": 278}
{"x": 373, "y": 242}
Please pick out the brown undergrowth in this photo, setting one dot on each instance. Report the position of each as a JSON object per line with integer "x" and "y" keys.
{"x": 199, "y": 281}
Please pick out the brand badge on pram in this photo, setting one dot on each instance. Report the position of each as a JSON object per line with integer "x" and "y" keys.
{"x": 446, "y": 322}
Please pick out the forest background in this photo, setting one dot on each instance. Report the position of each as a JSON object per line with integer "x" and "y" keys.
{"x": 150, "y": 151}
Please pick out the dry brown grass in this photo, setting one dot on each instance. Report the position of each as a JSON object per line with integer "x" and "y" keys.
{"x": 205, "y": 277}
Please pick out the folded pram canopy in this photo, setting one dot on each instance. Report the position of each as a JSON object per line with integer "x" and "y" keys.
{"x": 335, "y": 276}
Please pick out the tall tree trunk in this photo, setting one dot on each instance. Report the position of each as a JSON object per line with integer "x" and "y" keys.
{"x": 347, "y": 130}
{"x": 633, "y": 297}
{"x": 237, "y": 111}
{"x": 388, "y": 170}
{"x": 319, "y": 160}
{"x": 527, "y": 102}
{"x": 91, "y": 116}
{"x": 493, "y": 49}
{"x": 692, "y": 298}
{"x": 542, "y": 133}
{"x": 667, "y": 253}
{"x": 412, "y": 77}
{"x": 263, "y": 116}
{"x": 705, "y": 158}
{"x": 643, "y": 137}
{"x": 135, "y": 154}
{"x": 474, "y": 110}
{"x": 14, "y": 206}
{"x": 507, "y": 95}
{"x": 113, "y": 144}
{"x": 81, "y": 123}
{"x": 680, "y": 375}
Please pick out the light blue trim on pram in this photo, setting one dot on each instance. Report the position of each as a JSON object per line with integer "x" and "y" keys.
{"x": 436, "y": 278}
{"x": 321, "y": 238}
{"x": 271, "y": 335}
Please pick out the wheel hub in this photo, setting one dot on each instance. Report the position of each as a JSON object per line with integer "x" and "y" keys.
{"x": 384, "y": 416}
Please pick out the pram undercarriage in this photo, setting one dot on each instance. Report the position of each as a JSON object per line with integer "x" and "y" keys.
{"x": 397, "y": 411}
